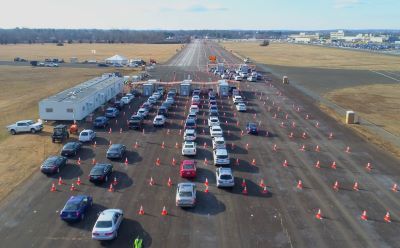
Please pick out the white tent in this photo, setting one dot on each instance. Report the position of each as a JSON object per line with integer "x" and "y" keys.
{"x": 117, "y": 59}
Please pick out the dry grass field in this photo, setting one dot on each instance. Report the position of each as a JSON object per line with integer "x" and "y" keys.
{"x": 296, "y": 55}
{"x": 378, "y": 103}
{"x": 159, "y": 52}
{"x": 21, "y": 89}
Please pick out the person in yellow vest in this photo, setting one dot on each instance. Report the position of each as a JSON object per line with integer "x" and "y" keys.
{"x": 138, "y": 243}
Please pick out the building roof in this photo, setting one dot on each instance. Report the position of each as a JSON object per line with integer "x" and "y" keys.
{"x": 117, "y": 57}
{"x": 83, "y": 90}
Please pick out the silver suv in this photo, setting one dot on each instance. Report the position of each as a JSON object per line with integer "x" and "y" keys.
{"x": 224, "y": 177}
{"x": 186, "y": 195}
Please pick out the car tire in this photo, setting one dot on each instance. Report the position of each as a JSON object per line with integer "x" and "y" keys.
{"x": 115, "y": 234}
{"x": 13, "y": 132}
{"x": 33, "y": 130}
{"x": 82, "y": 217}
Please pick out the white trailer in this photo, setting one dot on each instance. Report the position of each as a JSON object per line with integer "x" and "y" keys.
{"x": 184, "y": 89}
{"x": 78, "y": 102}
{"x": 223, "y": 88}
{"x": 148, "y": 89}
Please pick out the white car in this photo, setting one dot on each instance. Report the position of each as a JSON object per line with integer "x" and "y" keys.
{"x": 189, "y": 148}
{"x": 156, "y": 95}
{"x": 107, "y": 224}
{"x": 143, "y": 112}
{"x": 159, "y": 120}
{"x": 221, "y": 157}
{"x": 25, "y": 126}
{"x": 152, "y": 100}
{"x": 87, "y": 135}
{"x": 189, "y": 135}
{"x": 170, "y": 100}
{"x": 185, "y": 195}
{"x": 252, "y": 79}
{"x": 237, "y": 99}
{"x": 218, "y": 143}
{"x": 241, "y": 107}
{"x": 130, "y": 96}
{"x": 216, "y": 131}
{"x": 238, "y": 78}
{"x": 194, "y": 109}
{"x": 192, "y": 116}
{"x": 224, "y": 177}
{"x": 125, "y": 100}
{"x": 213, "y": 121}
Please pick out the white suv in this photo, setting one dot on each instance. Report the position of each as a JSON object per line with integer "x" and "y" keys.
{"x": 189, "y": 135}
{"x": 107, "y": 224}
{"x": 218, "y": 143}
{"x": 186, "y": 195}
{"x": 213, "y": 121}
{"x": 221, "y": 157}
{"x": 224, "y": 177}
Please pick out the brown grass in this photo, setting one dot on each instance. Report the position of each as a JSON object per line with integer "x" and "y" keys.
{"x": 21, "y": 89}
{"x": 285, "y": 54}
{"x": 159, "y": 52}
{"x": 377, "y": 103}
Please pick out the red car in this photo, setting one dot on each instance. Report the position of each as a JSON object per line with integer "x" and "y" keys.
{"x": 188, "y": 169}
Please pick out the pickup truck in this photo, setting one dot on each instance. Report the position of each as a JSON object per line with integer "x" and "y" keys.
{"x": 25, "y": 126}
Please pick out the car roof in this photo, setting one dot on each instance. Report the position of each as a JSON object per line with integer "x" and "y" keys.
{"x": 188, "y": 161}
{"x": 212, "y": 117}
{"x": 190, "y": 131}
{"x": 100, "y": 165}
{"x": 24, "y": 121}
{"x": 77, "y": 198}
{"x": 215, "y": 127}
{"x": 107, "y": 214}
{"x": 225, "y": 170}
{"x": 221, "y": 152}
{"x": 186, "y": 186}
{"x": 219, "y": 138}
{"x": 160, "y": 116}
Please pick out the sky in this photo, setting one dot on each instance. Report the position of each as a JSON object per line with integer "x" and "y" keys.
{"x": 201, "y": 14}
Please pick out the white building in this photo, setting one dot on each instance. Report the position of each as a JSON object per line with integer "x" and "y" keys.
{"x": 304, "y": 38}
{"x": 78, "y": 102}
{"x": 339, "y": 35}
{"x": 117, "y": 59}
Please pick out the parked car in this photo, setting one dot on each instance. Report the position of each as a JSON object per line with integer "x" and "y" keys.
{"x": 218, "y": 143}
{"x": 100, "y": 173}
{"x": 71, "y": 149}
{"x": 100, "y": 121}
{"x": 126, "y": 100}
{"x": 76, "y": 207}
{"x": 216, "y": 131}
{"x": 251, "y": 128}
{"x": 189, "y": 135}
{"x": 194, "y": 109}
{"x": 213, "y": 121}
{"x": 107, "y": 224}
{"x": 221, "y": 157}
{"x": 159, "y": 120}
{"x": 118, "y": 104}
{"x": 53, "y": 164}
{"x": 112, "y": 112}
{"x": 25, "y": 126}
{"x": 87, "y": 135}
{"x": 190, "y": 124}
{"x": 60, "y": 133}
{"x": 188, "y": 169}
{"x": 212, "y": 102}
{"x": 152, "y": 100}
{"x": 252, "y": 78}
{"x": 170, "y": 100}
{"x": 189, "y": 148}
{"x": 157, "y": 95}
{"x": 241, "y": 107}
{"x": 163, "y": 110}
{"x": 146, "y": 105}
{"x": 143, "y": 112}
{"x": 224, "y": 177}
{"x": 238, "y": 78}
{"x": 213, "y": 109}
{"x": 186, "y": 195}
{"x": 116, "y": 151}
{"x": 196, "y": 92}
{"x": 192, "y": 116}
{"x": 237, "y": 99}
{"x": 135, "y": 122}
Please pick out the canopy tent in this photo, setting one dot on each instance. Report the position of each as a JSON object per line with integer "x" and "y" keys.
{"x": 117, "y": 59}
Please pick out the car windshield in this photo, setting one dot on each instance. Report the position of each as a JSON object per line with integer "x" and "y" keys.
{"x": 222, "y": 156}
{"x": 69, "y": 146}
{"x": 226, "y": 177}
{"x": 97, "y": 171}
{"x": 110, "y": 110}
{"x": 185, "y": 194}
{"x": 84, "y": 134}
{"x": 50, "y": 161}
{"x": 217, "y": 129}
{"x": 252, "y": 125}
{"x": 72, "y": 206}
{"x": 190, "y": 123}
{"x": 189, "y": 146}
{"x": 136, "y": 118}
{"x": 189, "y": 134}
{"x": 98, "y": 120}
{"x": 218, "y": 142}
{"x": 188, "y": 166}
{"x": 30, "y": 123}
{"x": 58, "y": 130}
{"x": 104, "y": 224}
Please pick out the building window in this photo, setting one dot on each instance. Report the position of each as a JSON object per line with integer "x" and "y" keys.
{"x": 70, "y": 110}
{"x": 49, "y": 110}
{"x": 83, "y": 108}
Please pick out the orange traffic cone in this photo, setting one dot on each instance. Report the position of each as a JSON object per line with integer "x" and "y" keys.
{"x": 53, "y": 187}
{"x": 205, "y": 145}
{"x": 319, "y": 215}
{"x": 169, "y": 183}
{"x": 330, "y": 135}
{"x": 300, "y": 185}
{"x": 205, "y": 161}
{"x": 206, "y": 182}
{"x": 347, "y": 149}
{"x": 237, "y": 161}
{"x": 163, "y": 145}
{"x": 244, "y": 183}
{"x": 110, "y": 143}
{"x": 333, "y": 166}
{"x": 368, "y": 167}
{"x": 275, "y": 148}
{"x": 176, "y": 145}
{"x": 93, "y": 161}
{"x": 180, "y": 131}
{"x": 285, "y": 163}
{"x": 111, "y": 188}
{"x": 264, "y": 191}
{"x": 60, "y": 181}
{"x": 94, "y": 144}
{"x": 72, "y": 188}
{"x": 136, "y": 145}
{"x": 79, "y": 161}
{"x": 318, "y": 164}
{"x": 291, "y": 135}
{"x": 173, "y": 161}
{"x": 233, "y": 146}
{"x": 206, "y": 190}
{"x": 141, "y": 210}
{"x": 364, "y": 215}
{"x": 394, "y": 188}
{"x": 126, "y": 161}
{"x": 115, "y": 181}
{"x": 120, "y": 130}
{"x": 158, "y": 162}
{"x": 151, "y": 183}
{"x": 317, "y": 149}
{"x": 164, "y": 211}
{"x": 387, "y": 217}
{"x": 336, "y": 186}
{"x": 253, "y": 162}
{"x": 262, "y": 185}
{"x": 355, "y": 186}
{"x": 244, "y": 191}
{"x": 110, "y": 130}
{"x": 78, "y": 181}
{"x": 303, "y": 148}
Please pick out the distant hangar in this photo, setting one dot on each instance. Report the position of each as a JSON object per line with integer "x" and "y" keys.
{"x": 78, "y": 102}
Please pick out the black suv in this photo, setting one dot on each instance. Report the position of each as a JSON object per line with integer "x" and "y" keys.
{"x": 60, "y": 133}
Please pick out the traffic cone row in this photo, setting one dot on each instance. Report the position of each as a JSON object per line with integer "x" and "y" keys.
{"x": 158, "y": 162}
